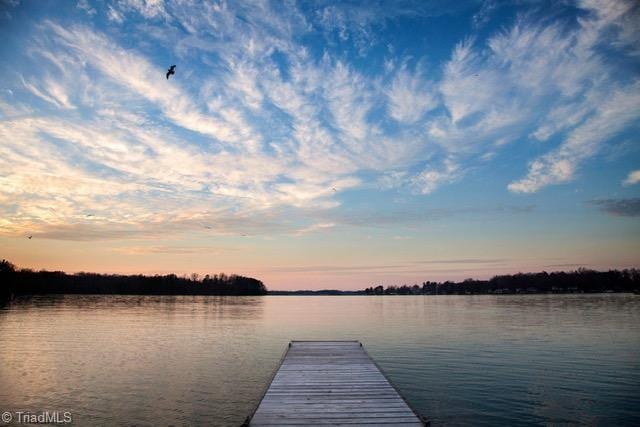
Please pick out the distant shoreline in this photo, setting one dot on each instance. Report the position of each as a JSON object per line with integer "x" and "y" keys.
{"x": 363, "y": 293}
{"x": 581, "y": 281}
{"x": 17, "y": 282}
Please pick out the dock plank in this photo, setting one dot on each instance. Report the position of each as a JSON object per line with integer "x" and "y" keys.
{"x": 331, "y": 383}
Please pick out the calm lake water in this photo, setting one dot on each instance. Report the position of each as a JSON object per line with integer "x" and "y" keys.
{"x": 459, "y": 360}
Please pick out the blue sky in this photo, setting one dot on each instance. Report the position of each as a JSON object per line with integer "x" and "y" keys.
{"x": 320, "y": 144}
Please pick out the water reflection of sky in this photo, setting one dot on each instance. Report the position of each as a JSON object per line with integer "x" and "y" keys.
{"x": 516, "y": 360}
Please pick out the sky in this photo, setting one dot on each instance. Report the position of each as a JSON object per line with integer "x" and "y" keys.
{"x": 320, "y": 144}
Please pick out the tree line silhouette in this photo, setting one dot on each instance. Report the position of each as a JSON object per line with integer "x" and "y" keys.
{"x": 14, "y": 281}
{"x": 579, "y": 281}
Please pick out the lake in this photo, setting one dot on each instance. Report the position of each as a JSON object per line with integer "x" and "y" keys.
{"x": 458, "y": 360}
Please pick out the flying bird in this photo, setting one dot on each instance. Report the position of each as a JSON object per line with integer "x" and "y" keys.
{"x": 334, "y": 190}
{"x": 171, "y": 71}
{"x": 29, "y": 237}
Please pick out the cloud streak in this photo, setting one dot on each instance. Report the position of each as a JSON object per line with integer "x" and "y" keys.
{"x": 173, "y": 250}
{"x": 400, "y": 267}
{"x": 618, "y": 207}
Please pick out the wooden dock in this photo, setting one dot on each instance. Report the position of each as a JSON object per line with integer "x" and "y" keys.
{"x": 321, "y": 383}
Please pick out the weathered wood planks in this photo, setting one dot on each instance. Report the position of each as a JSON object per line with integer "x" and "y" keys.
{"x": 333, "y": 383}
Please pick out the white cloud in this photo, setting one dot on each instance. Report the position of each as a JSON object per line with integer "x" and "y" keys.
{"x": 150, "y": 9}
{"x": 483, "y": 16}
{"x": 633, "y": 178}
{"x": 622, "y": 16}
{"x": 139, "y": 75}
{"x": 409, "y": 97}
{"x": 539, "y": 80}
{"x": 114, "y": 15}
{"x": 84, "y": 5}
{"x": 314, "y": 227}
{"x": 145, "y": 161}
{"x": 430, "y": 179}
{"x": 50, "y": 91}
{"x": 244, "y": 80}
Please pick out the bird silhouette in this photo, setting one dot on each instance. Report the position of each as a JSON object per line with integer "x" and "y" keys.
{"x": 29, "y": 237}
{"x": 171, "y": 71}
{"x": 334, "y": 190}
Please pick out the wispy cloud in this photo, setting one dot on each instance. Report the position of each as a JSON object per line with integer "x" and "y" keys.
{"x": 175, "y": 250}
{"x": 114, "y": 15}
{"x": 314, "y": 227}
{"x": 430, "y": 179}
{"x": 84, "y": 5}
{"x": 51, "y": 91}
{"x": 260, "y": 126}
{"x": 410, "y": 97}
{"x": 397, "y": 216}
{"x": 408, "y": 267}
{"x": 137, "y": 74}
{"x": 559, "y": 166}
{"x": 466, "y": 261}
{"x": 618, "y": 207}
{"x": 542, "y": 79}
{"x": 149, "y": 9}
